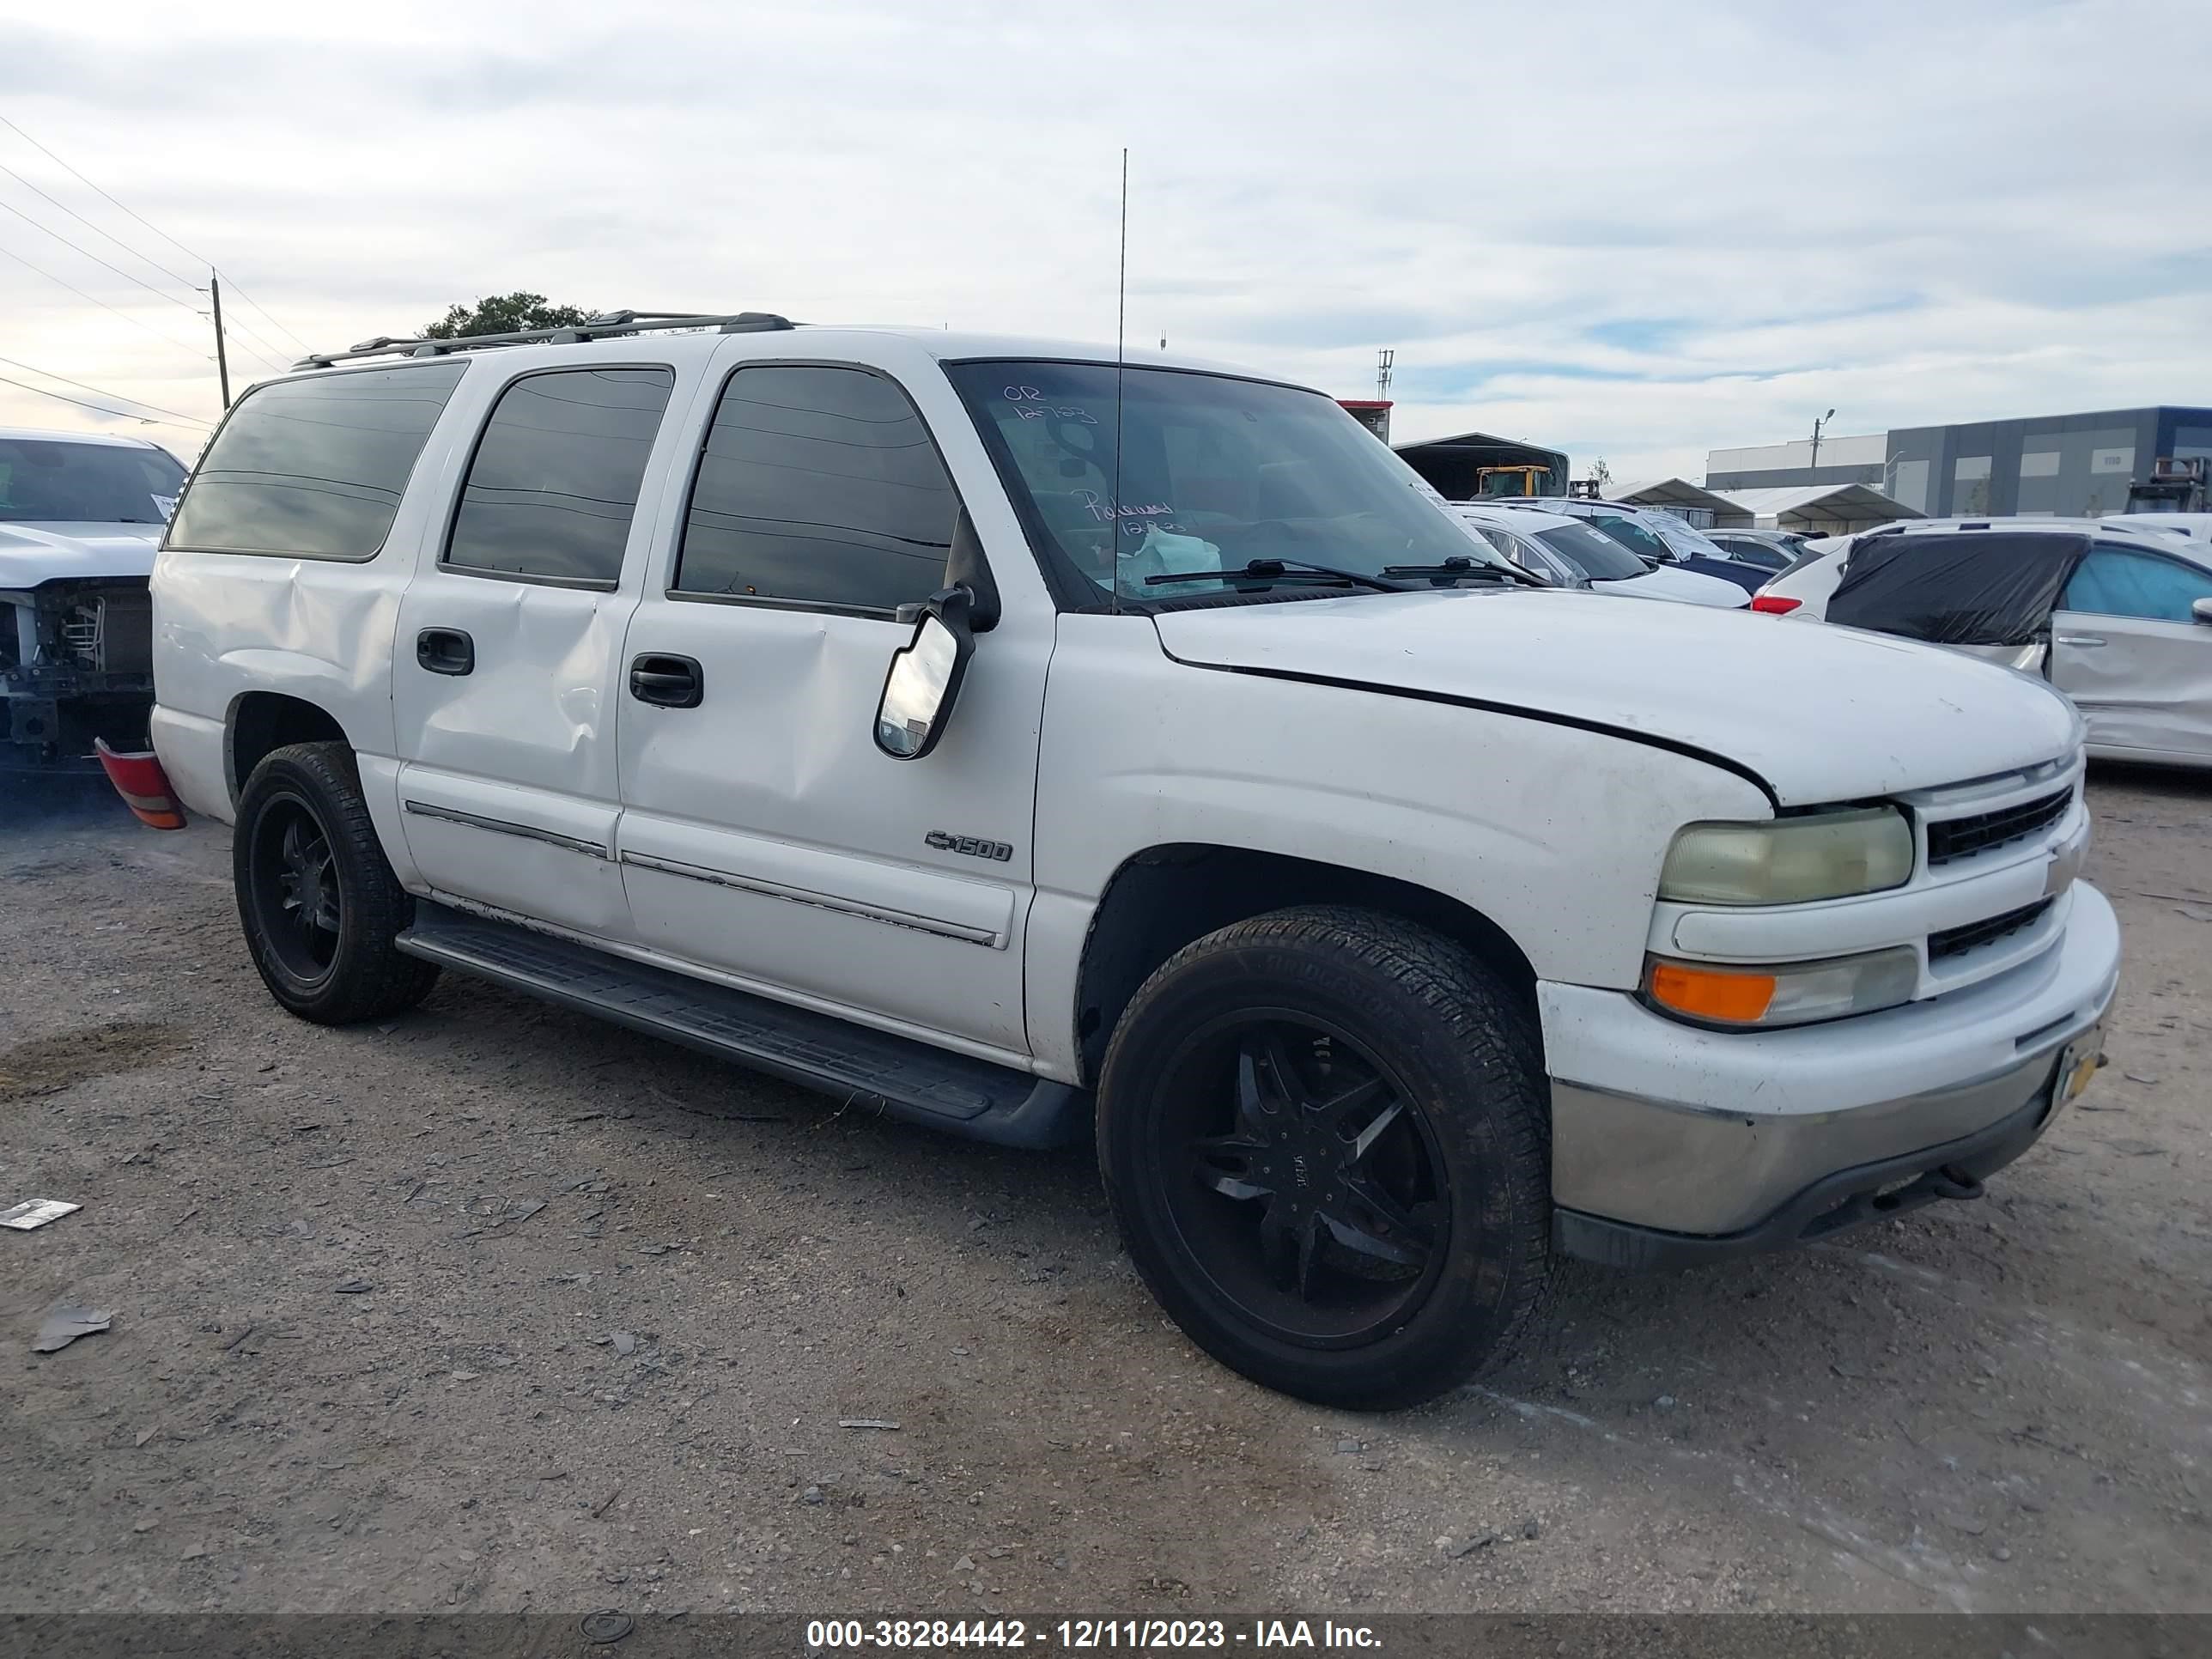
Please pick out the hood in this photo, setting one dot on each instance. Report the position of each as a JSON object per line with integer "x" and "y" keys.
{"x": 34, "y": 553}
{"x": 1822, "y": 714}
{"x": 1669, "y": 582}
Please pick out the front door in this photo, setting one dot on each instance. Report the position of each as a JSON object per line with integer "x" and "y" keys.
{"x": 509, "y": 646}
{"x": 764, "y": 835}
{"x": 2126, "y": 649}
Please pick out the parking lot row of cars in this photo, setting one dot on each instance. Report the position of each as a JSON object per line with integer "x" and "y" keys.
{"x": 2115, "y": 612}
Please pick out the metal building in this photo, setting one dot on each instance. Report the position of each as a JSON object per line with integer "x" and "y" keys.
{"x": 2062, "y": 465}
{"x": 1454, "y": 464}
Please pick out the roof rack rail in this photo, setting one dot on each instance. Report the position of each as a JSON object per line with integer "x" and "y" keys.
{"x": 607, "y": 325}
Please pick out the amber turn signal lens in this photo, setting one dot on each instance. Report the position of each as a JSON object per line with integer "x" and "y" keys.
{"x": 1712, "y": 993}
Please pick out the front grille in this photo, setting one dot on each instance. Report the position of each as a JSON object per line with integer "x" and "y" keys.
{"x": 1951, "y": 839}
{"x": 1957, "y": 941}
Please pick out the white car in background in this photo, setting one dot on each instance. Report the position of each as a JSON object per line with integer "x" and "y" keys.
{"x": 80, "y": 514}
{"x": 1572, "y": 553}
{"x": 2128, "y": 638}
{"x": 2191, "y": 527}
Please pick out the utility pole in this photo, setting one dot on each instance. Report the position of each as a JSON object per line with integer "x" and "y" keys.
{"x": 221, "y": 357}
{"x": 1817, "y": 425}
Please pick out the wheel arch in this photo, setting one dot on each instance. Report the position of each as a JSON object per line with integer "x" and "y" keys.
{"x": 260, "y": 721}
{"x": 1162, "y": 898}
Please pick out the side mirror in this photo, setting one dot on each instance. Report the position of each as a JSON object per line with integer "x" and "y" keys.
{"x": 2201, "y": 610}
{"x": 924, "y": 676}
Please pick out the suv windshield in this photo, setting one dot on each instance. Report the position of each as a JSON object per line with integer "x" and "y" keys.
{"x": 1212, "y": 472}
{"x": 1596, "y": 555}
{"x": 47, "y": 482}
{"x": 1686, "y": 539}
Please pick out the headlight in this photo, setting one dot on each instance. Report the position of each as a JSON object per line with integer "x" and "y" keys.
{"x": 1782, "y": 993}
{"x": 1788, "y": 861}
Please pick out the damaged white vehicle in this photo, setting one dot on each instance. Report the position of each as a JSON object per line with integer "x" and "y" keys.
{"x": 1042, "y": 747}
{"x": 80, "y": 514}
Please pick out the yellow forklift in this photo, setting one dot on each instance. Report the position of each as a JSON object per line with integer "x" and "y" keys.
{"x": 1512, "y": 481}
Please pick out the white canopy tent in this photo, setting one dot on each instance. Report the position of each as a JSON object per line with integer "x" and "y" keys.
{"x": 1701, "y": 506}
{"x": 1821, "y": 509}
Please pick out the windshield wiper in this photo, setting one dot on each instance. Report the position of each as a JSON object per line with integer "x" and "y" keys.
{"x": 1459, "y": 565}
{"x": 1277, "y": 570}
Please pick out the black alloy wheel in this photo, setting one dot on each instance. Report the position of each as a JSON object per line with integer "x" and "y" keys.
{"x": 295, "y": 888}
{"x": 1319, "y": 1202}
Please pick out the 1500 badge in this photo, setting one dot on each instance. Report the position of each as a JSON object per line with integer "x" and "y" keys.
{"x": 973, "y": 846}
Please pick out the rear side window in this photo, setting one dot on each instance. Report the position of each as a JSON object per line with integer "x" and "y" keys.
{"x": 2115, "y": 582}
{"x": 315, "y": 468}
{"x": 553, "y": 485}
{"x": 818, "y": 487}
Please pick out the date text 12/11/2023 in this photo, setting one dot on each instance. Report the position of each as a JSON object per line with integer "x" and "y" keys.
{"x": 831, "y": 1635}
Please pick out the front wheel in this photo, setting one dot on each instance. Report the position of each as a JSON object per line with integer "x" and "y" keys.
{"x": 317, "y": 899}
{"x": 1324, "y": 1133}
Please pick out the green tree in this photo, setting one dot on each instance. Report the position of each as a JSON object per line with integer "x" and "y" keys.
{"x": 503, "y": 313}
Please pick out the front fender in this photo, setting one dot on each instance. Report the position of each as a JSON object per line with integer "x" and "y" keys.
{"x": 1555, "y": 833}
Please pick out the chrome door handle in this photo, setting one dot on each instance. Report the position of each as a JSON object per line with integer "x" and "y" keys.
{"x": 2080, "y": 639}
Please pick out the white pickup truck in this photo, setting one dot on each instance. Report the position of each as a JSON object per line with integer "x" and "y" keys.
{"x": 1034, "y": 745}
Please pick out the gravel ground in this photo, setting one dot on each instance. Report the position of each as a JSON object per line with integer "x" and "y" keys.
{"x": 495, "y": 1307}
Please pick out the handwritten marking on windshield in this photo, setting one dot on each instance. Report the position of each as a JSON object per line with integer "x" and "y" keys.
{"x": 1102, "y": 513}
{"x": 1031, "y": 405}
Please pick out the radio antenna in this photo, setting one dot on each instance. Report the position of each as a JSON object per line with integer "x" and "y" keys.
{"x": 1120, "y": 324}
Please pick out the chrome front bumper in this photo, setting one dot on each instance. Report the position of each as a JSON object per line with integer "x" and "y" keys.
{"x": 1732, "y": 1141}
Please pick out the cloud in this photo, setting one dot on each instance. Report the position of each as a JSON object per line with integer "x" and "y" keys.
{"x": 1700, "y": 228}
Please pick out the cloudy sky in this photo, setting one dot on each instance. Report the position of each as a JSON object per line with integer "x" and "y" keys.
{"x": 1637, "y": 231}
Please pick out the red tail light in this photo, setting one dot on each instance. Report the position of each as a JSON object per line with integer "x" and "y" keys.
{"x": 1773, "y": 604}
{"x": 144, "y": 786}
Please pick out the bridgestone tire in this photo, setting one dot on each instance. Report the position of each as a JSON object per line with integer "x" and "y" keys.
{"x": 1445, "y": 1039}
{"x": 305, "y": 789}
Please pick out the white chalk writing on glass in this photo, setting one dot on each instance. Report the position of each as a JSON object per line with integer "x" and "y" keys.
{"x": 1031, "y": 405}
{"x": 1102, "y": 512}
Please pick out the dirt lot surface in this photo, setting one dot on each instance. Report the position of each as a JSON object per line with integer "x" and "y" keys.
{"x": 496, "y": 1307}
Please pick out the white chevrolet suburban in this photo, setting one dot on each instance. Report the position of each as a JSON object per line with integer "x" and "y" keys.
{"x": 1030, "y": 744}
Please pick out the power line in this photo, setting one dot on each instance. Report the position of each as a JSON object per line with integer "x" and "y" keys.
{"x": 102, "y": 304}
{"x": 197, "y": 258}
{"x": 271, "y": 321}
{"x": 96, "y": 259}
{"x": 32, "y": 368}
{"x": 262, "y": 348}
{"x": 97, "y": 409}
{"x": 88, "y": 225}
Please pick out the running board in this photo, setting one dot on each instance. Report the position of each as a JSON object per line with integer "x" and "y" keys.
{"x": 893, "y": 1074}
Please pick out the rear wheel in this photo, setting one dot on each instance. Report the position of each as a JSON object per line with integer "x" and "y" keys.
{"x": 317, "y": 898}
{"x": 1324, "y": 1133}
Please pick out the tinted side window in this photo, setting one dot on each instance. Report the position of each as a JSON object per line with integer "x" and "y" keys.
{"x": 313, "y": 468}
{"x": 817, "y": 486}
{"x": 2114, "y": 581}
{"x": 554, "y": 482}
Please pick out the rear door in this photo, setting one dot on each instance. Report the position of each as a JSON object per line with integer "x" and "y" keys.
{"x": 507, "y": 659}
{"x": 765, "y": 838}
{"x": 2125, "y": 647}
